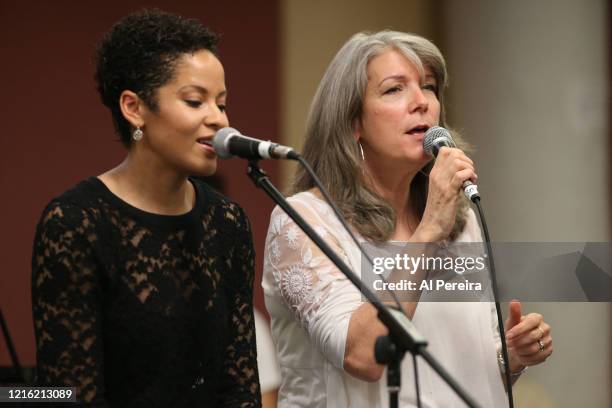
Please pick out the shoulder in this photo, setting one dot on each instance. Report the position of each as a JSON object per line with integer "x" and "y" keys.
{"x": 66, "y": 223}
{"x": 306, "y": 204}
{"x": 315, "y": 211}
{"x": 227, "y": 209}
{"x": 74, "y": 208}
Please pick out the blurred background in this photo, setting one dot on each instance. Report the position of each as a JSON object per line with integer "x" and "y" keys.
{"x": 530, "y": 86}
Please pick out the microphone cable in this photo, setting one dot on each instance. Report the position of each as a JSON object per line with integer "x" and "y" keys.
{"x": 435, "y": 138}
{"x": 500, "y": 322}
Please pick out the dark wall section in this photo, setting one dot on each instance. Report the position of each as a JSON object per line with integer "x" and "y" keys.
{"x": 55, "y": 132}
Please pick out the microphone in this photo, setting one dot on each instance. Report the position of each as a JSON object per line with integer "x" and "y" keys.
{"x": 437, "y": 137}
{"x": 229, "y": 142}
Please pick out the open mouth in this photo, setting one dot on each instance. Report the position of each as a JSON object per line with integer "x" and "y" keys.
{"x": 418, "y": 129}
{"x": 207, "y": 142}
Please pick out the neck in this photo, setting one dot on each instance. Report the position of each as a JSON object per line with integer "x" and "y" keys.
{"x": 394, "y": 187}
{"x": 146, "y": 183}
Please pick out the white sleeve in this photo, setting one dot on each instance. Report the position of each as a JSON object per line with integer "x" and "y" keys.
{"x": 267, "y": 362}
{"x": 321, "y": 298}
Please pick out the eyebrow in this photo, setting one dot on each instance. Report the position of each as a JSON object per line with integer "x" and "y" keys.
{"x": 203, "y": 90}
{"x": 403, "y": 77}
{"x": 399, "y": 77}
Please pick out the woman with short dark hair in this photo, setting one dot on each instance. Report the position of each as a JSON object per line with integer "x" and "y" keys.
{"x": 142, "y": 276}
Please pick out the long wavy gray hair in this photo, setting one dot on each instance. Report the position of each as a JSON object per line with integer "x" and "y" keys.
{"x": 332, "y": 150}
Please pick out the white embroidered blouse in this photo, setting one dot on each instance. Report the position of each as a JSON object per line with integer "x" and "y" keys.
{"x": 310, "y": 304}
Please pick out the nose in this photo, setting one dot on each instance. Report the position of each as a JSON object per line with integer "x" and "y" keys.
{"x": 418, "y": 101}
{"x": 216, "y": 117}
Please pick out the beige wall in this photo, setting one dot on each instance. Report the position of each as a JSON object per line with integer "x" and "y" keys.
{"x": 529, "y": 85}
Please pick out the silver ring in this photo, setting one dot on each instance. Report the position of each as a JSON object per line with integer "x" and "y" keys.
{"x": 541, "y": 345}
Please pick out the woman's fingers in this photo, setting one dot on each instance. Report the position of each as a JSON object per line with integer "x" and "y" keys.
{"x": 461, "y": 176}
{"x": 531, "y": 349}
{"x": 534, "y": 354}
{"x": 451, "y": 169}
{"x": 446, "y": 152}
{"x": 538, "y": 332}
{"x": 530, "y": 340}
{"x": 528, "y": 324}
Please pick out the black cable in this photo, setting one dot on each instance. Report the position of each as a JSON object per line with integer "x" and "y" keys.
{"x": 331, "y": 203}
{"x": 500, "y": 321}
{"x": 416, "y": 381}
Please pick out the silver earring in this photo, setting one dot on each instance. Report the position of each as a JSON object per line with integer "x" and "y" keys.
{"x": 361, "y": 151}
{"x": 137, "y": 135}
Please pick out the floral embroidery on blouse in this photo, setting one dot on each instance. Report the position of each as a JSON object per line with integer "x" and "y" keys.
{"x": 292, "y": 237}
{"x": 296, "y": 284}
{"x": 303, "y": 275}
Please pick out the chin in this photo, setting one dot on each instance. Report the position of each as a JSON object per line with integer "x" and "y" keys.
{"x": 421, "y": 159}
{"x": 203, "y": 169}
{"x": 204, "y": 173}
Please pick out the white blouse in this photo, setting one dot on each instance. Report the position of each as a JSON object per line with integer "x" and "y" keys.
{"x": 310, "y": 304}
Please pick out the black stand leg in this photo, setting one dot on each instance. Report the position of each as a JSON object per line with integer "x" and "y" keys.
{"x": 18, "y": 372}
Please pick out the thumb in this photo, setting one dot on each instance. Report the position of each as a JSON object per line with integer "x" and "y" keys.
{"x": 514, "y": 314}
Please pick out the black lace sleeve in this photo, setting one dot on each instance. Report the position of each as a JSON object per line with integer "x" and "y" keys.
{"x": 66, "y": 302}
{"x": 241, "y": 383}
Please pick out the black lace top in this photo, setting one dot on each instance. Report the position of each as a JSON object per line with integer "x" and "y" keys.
{"x": 142, "y": 310}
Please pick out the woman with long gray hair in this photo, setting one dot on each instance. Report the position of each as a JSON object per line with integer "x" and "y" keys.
{"x": 364, "y": 139}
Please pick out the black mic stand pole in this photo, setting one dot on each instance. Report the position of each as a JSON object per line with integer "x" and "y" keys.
{"x": 402, "y": 332}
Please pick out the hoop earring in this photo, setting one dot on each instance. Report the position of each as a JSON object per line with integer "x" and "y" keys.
{"x": 137, "y": 135}
{"x": 361, "y": 151}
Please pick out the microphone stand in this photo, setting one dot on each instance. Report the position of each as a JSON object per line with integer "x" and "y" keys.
{"x": 18, "y": 372}
{"x": 402, "y": 337}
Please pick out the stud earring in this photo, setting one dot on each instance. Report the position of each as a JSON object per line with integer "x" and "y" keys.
{"x": 137, "y": 135}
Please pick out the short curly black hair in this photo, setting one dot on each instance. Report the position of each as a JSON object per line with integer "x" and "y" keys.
{"x": 139, "y": 53}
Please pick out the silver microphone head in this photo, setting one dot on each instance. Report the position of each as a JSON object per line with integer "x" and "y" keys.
{"x": 221, "y": 141}
{"x": 435, "y": 138}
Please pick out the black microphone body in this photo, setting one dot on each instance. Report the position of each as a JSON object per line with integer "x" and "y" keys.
{"x": 229, "y": 142}
{"x": 437, "y": 137}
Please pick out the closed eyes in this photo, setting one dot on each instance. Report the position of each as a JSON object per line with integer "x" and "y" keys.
{"x": 197, "y": 104}
{"x": 393, "y": 90}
